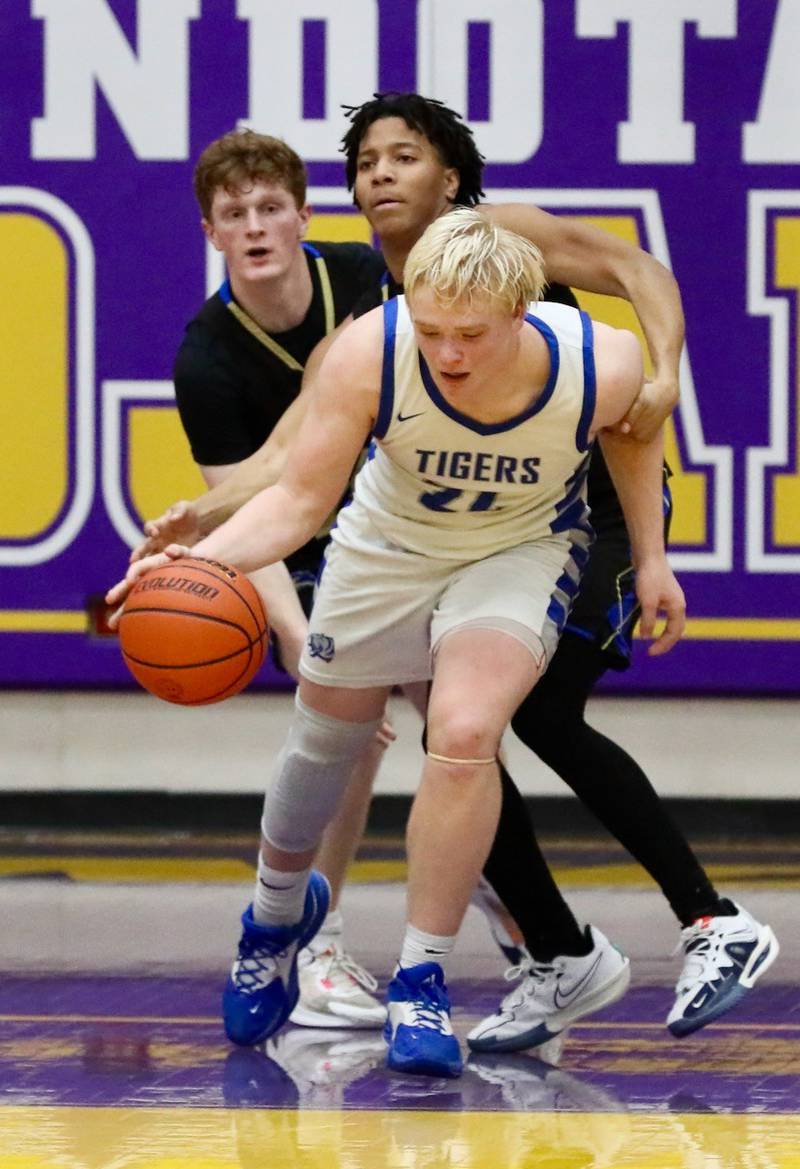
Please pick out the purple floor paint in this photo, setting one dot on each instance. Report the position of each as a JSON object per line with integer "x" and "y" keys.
{"x": 158, "y": 1041}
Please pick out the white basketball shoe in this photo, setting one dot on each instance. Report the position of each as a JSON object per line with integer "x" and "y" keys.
{"x": 335, "y": 991}
{"x": 553, "y": 995}
{"x": 725, "y": 956}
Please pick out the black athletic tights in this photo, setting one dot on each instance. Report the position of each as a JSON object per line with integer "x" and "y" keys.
{"x": 611, "y": 784}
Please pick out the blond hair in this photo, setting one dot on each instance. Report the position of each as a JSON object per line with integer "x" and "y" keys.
{"x": 463, "y": 254}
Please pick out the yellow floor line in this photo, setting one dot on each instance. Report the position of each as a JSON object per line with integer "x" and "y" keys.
{"x": 231, "y": 870}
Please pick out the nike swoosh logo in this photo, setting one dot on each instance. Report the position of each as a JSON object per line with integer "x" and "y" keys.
{"x": 563, "y": 1000}
{"x": 405, "y": 417}
{"x": 699, "y": 1000}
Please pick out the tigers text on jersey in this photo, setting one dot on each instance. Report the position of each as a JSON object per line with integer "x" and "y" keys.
{"x": 444, "y": 485}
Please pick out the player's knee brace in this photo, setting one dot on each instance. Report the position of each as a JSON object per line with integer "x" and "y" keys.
{"x": 310, "y": 776}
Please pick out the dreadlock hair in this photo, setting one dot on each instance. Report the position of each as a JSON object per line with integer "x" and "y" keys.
{"x": 443, "y": 127}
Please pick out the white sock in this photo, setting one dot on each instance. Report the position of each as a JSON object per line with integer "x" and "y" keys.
{"x": 330, "y": 933}
{"x": 420, "y": 947}
{"x": 279, "y": 897}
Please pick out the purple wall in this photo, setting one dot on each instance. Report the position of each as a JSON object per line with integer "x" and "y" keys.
{"x": 683, "y": 125}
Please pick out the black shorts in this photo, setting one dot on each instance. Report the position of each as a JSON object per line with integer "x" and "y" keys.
{"x": 605, "y": 611}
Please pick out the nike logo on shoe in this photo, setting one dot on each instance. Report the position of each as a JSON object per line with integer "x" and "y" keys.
{"x": 563, "y": 1000}
{"x": 700, "y": 1000}
{"x": 401, "y": 417}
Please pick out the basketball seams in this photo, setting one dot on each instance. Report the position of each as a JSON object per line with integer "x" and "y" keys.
{"x": 181, "y": 613}
{"x": 224, "y": 692}
{"x": 128, "y": 612}
{"x": 248, "y": 649}
{"x": 199, "y": 566}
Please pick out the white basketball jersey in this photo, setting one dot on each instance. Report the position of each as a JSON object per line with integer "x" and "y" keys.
{"x": 444, "y": 485}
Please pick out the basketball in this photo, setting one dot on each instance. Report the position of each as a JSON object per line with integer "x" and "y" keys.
{"x": 193, "y": 631}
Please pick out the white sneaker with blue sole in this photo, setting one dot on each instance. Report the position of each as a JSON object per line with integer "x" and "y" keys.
{"x": 553, "y": 995}
{"x": 725, "y": 957}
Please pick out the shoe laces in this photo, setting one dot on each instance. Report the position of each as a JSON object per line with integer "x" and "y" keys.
{"x": 702, "y": 943}
{"x": 255, "y": 965}
{"x": 337, "y": 963}
{"x": 428, "y": 1005}
{"x": 535, "y": 976}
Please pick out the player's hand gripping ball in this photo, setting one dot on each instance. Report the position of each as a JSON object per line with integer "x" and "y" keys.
{"x": 193, "y": 631}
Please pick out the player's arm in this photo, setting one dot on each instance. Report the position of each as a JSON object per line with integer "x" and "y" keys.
{"x": 583, "y": 256}
{"x": 186, "y": 522}
{"x": 637, "y": 472}
{"x": 274, "y": 582}
{"x": 281, "y": 518}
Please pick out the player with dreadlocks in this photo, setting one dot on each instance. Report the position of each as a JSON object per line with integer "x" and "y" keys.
{"x": 383, "y": 146}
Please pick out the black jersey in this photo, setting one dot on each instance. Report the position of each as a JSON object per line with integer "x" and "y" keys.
{"x": 234, "y": 382}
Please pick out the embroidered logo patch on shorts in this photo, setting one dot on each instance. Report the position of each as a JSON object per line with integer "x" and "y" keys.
{"x": 321, "y": 646}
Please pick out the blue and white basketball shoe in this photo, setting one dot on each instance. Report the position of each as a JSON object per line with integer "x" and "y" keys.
{"x": 725, "y": 957}
{"x": 418, "y": 1030}
{"x": 262, "y": 989}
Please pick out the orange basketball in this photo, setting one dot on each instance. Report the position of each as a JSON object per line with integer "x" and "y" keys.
{"x": 193, "y": 631}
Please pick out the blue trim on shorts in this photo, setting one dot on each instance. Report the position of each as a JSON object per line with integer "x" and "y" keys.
{"x": 589, "y": 385}
{"x": 566, "y": 586}
{"x": 386, "y": 408}
{"x": 578, "y": 632}
{"x": 622, "y": 616}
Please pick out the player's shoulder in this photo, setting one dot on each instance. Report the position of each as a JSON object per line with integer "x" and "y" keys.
{"x": 209, "y": 340}
{"x": 388, "y": 316}
{"x": 381, "y": 288}
{"x": 350, "y": 256}
{"x": 618, "y": 349}
{"x": 361, "y": 342}
{"x": 212, "y": 320}
{"x": 568, "y": 323}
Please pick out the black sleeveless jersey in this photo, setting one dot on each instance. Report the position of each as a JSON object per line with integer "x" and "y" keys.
{"x": 231, "y": 388}
{"x": 234, "y": 382}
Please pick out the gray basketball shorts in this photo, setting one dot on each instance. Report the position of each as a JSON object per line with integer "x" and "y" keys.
{"x": 380, "y": 611}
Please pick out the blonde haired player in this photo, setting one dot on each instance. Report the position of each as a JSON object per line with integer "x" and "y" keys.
{"x": 456, "y": 561}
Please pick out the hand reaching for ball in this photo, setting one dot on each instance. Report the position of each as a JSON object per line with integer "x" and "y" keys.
{"x": 117, "y": 593}
{"x": 179, "y": 524}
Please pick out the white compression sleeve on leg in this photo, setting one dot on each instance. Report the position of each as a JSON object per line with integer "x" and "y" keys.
{"x": 310, "y": 776}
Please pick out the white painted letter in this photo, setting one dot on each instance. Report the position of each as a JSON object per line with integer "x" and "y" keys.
{"x": 655, "y": 130}
{"x": 513, "y": 131}
{"x": 278, "y": 80}
{"x": 148, "y": 91}
{"x": 775, "y": 136}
